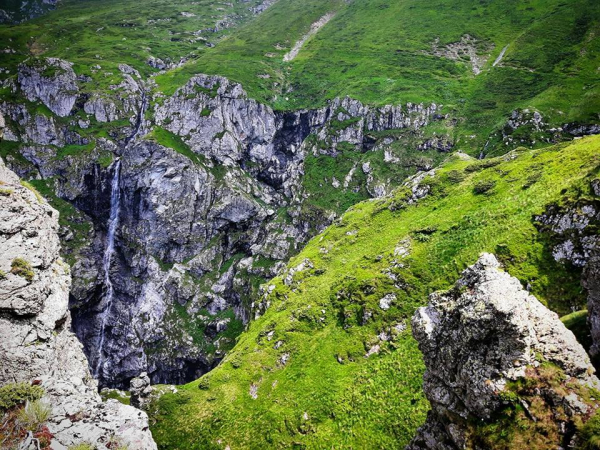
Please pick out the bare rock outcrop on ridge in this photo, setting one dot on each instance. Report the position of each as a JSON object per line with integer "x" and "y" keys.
{"x": 489, "y": 345}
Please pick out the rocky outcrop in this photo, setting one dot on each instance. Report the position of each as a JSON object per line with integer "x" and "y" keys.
{"x": 490, "y": 347}
{"x": 140, "y": 390}
{"x": 36, "y": 343}
{"x": 573, "y": 228}
{"x": 202, "y": 223}
{"x": 528, "y": 127}
{"x": 52, "y": 81}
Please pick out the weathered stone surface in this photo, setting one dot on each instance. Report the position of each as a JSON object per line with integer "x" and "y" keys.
{"x": 140, "y": 390}
{"x": 52, "y": 81}
{"x": 35, "y": 338}
{"x": 195, "y": 234}
{"x": 475, "y": 339}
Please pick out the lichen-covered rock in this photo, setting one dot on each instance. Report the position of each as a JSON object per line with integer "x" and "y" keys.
{"x": 52, "y": 81}
{"x": 36, "y": 342}
{"x": 488, "y": 344}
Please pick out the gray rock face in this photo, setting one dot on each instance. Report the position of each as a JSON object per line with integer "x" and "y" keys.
{"x": 194, "y": 233}
{"x": 52, "y": 81}
{"x": 478, "y": 337}
{"x": 35, "y": 338}
{"x": 198, "y": 231}
{"x": 576, "y": 241}
{"x": 140, "y": 390}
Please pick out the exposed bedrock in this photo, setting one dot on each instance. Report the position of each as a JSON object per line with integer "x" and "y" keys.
{"x": 494, "y": 353}
{"x": 575, "y": 241}
{"x": 199, "y": 226}
{"x": 36, "y": 341}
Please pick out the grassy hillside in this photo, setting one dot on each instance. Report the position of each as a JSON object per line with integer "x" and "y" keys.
{"x": 300, "y": 375}
{"x": 113, "y": 32}
{"x": 381, "y": 52}
{"x": 378, "y": 51}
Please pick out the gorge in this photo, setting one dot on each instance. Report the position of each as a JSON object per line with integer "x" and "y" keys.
{"x": 256, "y": 199}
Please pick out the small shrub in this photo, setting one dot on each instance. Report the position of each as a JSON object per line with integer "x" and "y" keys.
{"x": 484, "y": 186}
{"x": 532, "y": 179}
{"x": 455, "y": 176}
{"x": 204, "y": 383}
{"x": 483, "y": 164}
{"x": 236, "y": 362}
{"x": 15, "y": 394}
{"x": 22, "y": 268}
{"x": 34, "y": 415}
{"x": 2, "y": 275}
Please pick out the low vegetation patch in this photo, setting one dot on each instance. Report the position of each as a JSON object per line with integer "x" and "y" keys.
{"x": 14, "y": 394}
{"x": 22, "y": 268}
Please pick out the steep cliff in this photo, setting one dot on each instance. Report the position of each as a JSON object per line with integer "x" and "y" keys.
{"x": 36, "y": 342}
{"x": 210, "y": 190}
{"x": 501, "y": 369}
{"x": 572, "y": 227}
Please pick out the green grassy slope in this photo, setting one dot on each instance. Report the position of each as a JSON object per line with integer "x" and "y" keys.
{"x": 375, "y": 50}
{"x": 304, "y": 359}
{"x": 380, "y": 52}
{"x": 112, "y": 32}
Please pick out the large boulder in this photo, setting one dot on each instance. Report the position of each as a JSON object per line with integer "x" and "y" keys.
{"x": 494, "y": 353}
{"x": 36, "y": 343}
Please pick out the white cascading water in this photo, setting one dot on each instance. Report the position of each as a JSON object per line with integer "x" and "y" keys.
{"x": 113, "y": 223}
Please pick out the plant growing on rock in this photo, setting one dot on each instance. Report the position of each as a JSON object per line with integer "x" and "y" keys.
{"x": 589, "y": 434}
{"x": 22, "y": 268}
{"x": 82, "y": 446}
{"x": 15, "y": 394}
{"x": 35, "y": 414}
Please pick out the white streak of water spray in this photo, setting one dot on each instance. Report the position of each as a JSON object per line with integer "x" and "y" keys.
{"x": 113, "y": 223}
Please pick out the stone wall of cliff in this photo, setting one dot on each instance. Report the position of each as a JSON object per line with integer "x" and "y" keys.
{"x": 36, "y": 342}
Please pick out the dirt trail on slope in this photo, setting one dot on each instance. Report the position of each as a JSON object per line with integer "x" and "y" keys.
{"x": 500, "y": 56}
{"x": 314, "y": 28}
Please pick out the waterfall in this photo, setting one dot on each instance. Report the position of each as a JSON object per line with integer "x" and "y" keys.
{"x": 113, "y": 223}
